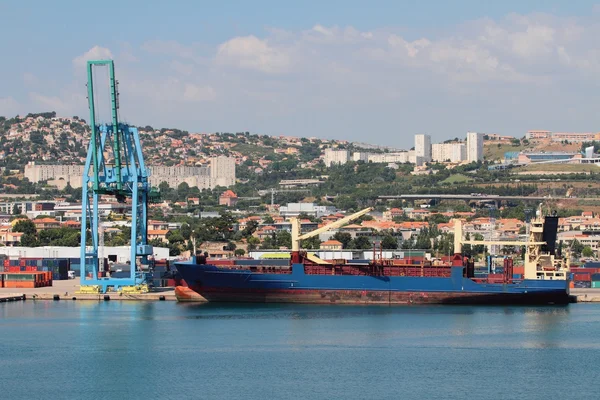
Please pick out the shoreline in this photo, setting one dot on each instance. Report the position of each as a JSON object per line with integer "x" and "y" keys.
{"x": 67, "y": 290}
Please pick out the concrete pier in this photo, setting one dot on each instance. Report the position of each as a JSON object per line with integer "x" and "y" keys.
{"x": 586, "y": 295}
{"x": 67, "y": 290}
{"x": 5, "y": 297}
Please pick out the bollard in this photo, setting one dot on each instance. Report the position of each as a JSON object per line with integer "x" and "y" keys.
{"x": 161, "y": 298}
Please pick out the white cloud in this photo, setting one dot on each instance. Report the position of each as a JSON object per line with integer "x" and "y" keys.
{"x": 198, "y": 93}
{"x": 95, "y": 53}
{"x": 249, "y": 52}
{"x": 340, "y": 81}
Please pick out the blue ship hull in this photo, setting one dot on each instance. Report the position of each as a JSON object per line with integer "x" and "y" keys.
{"x": 218, "y": 284}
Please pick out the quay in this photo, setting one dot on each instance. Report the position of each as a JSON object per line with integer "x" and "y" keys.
{"x": 587, "y": 295}
{"x": 67, "y": 290}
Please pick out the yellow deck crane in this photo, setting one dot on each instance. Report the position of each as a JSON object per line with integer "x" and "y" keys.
{"x": 297, "y": 255}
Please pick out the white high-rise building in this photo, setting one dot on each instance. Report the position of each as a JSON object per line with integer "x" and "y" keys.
{"x": 360, "y": 156}
{"x": 333, "y": 156}
{"x": 474, "y": 146}
{"x": 423, "y": 147}
{"x": 222, "y": 171}
{"x": 452, "y": 152}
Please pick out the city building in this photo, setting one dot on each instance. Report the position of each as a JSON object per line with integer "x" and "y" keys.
{"x": 331, "y": 244}
{"x": 526, "y": 158}
{"x": 574, "y": 136}
{"x": 537, "y": 135}
{"x": 452, "y": 152}
{"x": 474, "y": 146}
{"x": 222, "y": 171}
{"x": 310, "y": 209}
{"x": 228, "y": 198}
{"x": 423, "y": 147}
{"x": 360, "y": 156}
{"x": 400, "y": 157}
{"x": 561, "y": 136}
{"x": 333, "y": 156}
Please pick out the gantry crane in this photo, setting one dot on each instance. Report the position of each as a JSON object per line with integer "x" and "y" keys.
{"x": 114, "y": 166}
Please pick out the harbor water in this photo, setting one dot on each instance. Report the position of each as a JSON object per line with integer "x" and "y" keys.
{"x": 166, "y": 350}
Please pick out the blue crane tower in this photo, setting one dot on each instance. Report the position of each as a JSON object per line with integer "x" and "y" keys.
{"x": 114, "y": 166}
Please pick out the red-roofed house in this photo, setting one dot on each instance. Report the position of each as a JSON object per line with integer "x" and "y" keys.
{"x": 228, "y": 198}
{"x": 46, "y": 223}
{"x": 160, "y": 234}
{"x": 331, "y": 245}
{"x": 72, "y": 224}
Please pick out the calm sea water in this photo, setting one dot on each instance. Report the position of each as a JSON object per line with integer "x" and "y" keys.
{"x": 165, "y": 350}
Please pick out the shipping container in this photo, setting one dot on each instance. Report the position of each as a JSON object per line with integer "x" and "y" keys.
{"x": 584, "y": 277}
{"x": 582, "y": 284}
{"x": 596, "y": 284}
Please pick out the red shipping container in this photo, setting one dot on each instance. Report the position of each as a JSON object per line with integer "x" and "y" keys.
{"x": 585, "y": 270}
{"x": 519, "y": 270}
{"x": 582, "y": 277}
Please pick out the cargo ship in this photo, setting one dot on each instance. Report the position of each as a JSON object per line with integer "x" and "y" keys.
{"x": 309, "y": 279}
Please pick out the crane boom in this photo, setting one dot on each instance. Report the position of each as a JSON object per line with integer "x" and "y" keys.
{"x": 296, "y": 237}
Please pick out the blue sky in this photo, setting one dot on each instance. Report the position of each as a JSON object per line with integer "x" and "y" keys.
{"x": 377, "y": 71}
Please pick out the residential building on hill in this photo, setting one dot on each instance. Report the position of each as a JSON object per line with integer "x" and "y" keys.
{"x": 221, "y": 172}
{"x": 334, "y": 156}
{"x": 474, "y": 146}
{"x": 452, "y": 152}
{"x": 423, "y": 147}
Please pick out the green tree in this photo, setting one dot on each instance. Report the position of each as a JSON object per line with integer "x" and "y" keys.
{"x": 311, "y": 243}
{"x": 361, "y": 243}
{"x": 239, "y": 252}
{"x": 587, "y": 252}
{"x": 344, "y": 238}
{"x": 253, "y": 242}
{"x": 576, "y": 248}
{"x": 28, "y": 240}
{"x": 284, "y": 239}
{"x": 25, "y": 226}
{"x": 389, "y": 242}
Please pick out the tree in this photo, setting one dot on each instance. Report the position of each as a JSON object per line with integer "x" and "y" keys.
{"x": 239, "y": 252}
{"x": 25, "y": 226}
{"x": 284, "y": 239}
{"x": 253, "y": 242}
{"x": 28, "y": 240}
{"x": 344, "y": 238}
{"x": 268, "y": 220}
{"x": 230, "y": 246}
{"x": 389, "y": 242}
{"x": 576, "y": 248}
{"x": 587, "y": 252}
{"x": 311, "y": 243}
{"x": 361, "y": 243}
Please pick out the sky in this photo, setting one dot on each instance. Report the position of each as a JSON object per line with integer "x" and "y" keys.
{"x": 367, "y": 71}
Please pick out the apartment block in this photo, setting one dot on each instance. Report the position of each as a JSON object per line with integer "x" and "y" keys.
{"x": 423, "y": 147}
{"x": 334, "y": 156}
{"x": 474, "y": 146}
